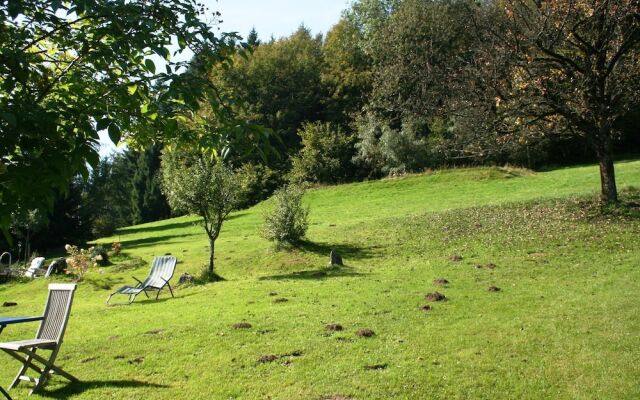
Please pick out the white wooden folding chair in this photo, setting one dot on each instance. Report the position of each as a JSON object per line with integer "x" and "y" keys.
{"x": 49, "y": 337}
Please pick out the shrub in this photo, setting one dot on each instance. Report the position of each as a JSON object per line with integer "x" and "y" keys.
{"x": 79, "y": 261}
{"x": 116, "y": 248}
{"x": 325, "y": 156}
{"x": 257, "y": 181}
{"x": 286, "y": 221}
{"x": 99, "y": 255}
{"x": 387, "y": 151}
{"x": 103, "y": 225}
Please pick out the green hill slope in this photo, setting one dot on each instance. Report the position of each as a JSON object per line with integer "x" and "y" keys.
{"x": 563, "y": 324}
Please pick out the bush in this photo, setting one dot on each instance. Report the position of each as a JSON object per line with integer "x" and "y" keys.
{"x": 325, "y": 156}
{"x": 103, "y": 226}
{"x": 99, "y": 255}
{"x": 79, "y": 261}
{"x": 258, "y": 182}
{"x": 383, "y": 150}
{"x": 286, "y": 221}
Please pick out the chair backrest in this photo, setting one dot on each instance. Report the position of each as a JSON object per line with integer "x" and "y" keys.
{"x": 56, "y": 312}
{"x": 36, "y": 264}
{"x": 162, "y": 269}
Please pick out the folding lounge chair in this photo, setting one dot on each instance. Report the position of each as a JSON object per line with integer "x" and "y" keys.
{"x": 49, "y": 337}
{"x": 35, "y": 268}
{"x": 162, "y": 270}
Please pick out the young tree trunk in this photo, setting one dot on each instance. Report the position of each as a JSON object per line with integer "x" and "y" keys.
{"x": 212, "y": 249}
{"x": 608, "y": 189}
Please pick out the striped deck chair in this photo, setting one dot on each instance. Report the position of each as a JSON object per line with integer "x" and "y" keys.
{"x": 162, "y": 270}
{"x": 49, "y": 337}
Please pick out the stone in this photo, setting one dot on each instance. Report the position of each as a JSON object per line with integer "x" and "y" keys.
{"x": 186, "y": 279}
{"x": 334, "y": 258}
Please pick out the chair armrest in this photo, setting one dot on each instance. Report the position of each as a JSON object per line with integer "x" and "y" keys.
{"x": 138, "y": 280}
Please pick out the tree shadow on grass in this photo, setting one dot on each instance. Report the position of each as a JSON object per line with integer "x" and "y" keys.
{"x": 130, "y": 244}
{"x": 83, "y": 386}
{"x": 175, "y": 225}
{"x": 330, "y": 272}
{"x": 347, "y": 251}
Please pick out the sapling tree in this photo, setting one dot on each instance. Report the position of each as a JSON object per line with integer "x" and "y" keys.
{"x": 201, "y": 184}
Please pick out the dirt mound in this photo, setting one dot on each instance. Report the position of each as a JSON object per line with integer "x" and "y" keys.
{"x": 456, "y": 258}
{"x": 440, "y": 282}
{"x": 365, "y": 332}
{"x": 242, "y": 325}
{"x": 425, "y": 308}
{"x": 280, "y": 300}
{"x": 435, "y": 296}
{"x": 333, "y": 327}
{"x": 493, "y": 289}
{"x": 376, "y": 367}
{"x": 267, "y": 358}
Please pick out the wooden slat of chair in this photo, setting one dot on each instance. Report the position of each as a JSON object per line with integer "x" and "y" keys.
{"x": 49, "y": 337}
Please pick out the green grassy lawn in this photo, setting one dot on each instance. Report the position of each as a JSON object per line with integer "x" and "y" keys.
{"x": 565, "y": 323}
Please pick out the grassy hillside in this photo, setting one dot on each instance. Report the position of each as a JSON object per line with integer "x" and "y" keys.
{"x": 563, "y": 325}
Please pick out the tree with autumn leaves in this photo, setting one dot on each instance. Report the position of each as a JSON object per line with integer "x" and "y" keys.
{"x": 564, "y": 68}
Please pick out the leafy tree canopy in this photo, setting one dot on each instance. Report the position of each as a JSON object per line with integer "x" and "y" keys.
{"x": 70, "y": 69}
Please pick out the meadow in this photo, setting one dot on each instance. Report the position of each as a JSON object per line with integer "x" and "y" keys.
{"x": 541, "y": 298}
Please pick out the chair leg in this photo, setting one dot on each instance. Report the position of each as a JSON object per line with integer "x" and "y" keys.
{"x": 4, "y": 393}
{"x": 46, "y": 370}
{"x": 26, "y": 362}
{"x": 170, "y": 291}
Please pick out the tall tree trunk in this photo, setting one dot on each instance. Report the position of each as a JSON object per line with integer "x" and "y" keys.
{"x": 608, "y": 189}
{"x": 212, "y": 249}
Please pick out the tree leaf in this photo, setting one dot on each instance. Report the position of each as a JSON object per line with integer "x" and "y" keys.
{"x": 103, "y": 124}
{"x": 132, "y": 88}
{"x": 151, "y": 67}
{"x": 114, "y": 133}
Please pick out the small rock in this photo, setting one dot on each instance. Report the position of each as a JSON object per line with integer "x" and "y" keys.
{"x": 335, "y": 258}
{"x": 186, "y": 279}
